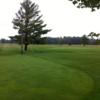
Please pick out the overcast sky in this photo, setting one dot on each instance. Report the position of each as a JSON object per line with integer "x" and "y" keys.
{"x": 60, "y": 15}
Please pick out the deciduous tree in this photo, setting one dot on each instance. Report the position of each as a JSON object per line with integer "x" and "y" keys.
{"x": 93, "y": 4}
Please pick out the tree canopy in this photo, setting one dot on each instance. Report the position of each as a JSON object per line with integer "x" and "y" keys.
{"x": 93, "y": 4}
{"x": 28, "y": 22}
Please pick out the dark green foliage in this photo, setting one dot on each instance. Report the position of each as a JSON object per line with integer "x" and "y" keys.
{"x": 93, "y": 4}
{"x": 97, "y": 35}
{"x": 92, "y": 34}
{"x": 31, "y": 39}
{"x": 84, "y": 40}
{"x": 15, "y": 39}
{"x": 28, "y": 22}
{"x": 97, "y": 42}
{"x": 97, "y": 38}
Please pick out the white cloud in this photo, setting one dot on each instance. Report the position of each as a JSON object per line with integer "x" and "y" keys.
{"x": 60, "y": 15}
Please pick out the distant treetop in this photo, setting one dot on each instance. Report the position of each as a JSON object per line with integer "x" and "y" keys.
{"x": 93, "y": 4}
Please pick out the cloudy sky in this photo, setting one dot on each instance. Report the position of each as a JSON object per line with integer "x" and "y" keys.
{"x": 60, "y": 15}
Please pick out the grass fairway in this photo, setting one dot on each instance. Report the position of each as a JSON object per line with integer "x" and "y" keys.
{"x": 50, "y": 73}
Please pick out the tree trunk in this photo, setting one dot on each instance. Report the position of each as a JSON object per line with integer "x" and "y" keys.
{"x": 22, "y": 49}
{"x": 22, "y": 40}
{"x": 26, "y": 42}
{"x": 26, "y": 46}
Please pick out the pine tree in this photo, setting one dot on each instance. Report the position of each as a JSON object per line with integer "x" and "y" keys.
{"x": 28, "y": 22}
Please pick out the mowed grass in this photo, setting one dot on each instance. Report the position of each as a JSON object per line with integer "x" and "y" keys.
{"x": 50, "y": 72}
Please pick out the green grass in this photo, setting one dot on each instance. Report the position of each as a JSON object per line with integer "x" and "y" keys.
{"x": 50, "y": 72}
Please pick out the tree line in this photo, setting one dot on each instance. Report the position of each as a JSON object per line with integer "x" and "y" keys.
{"x": 91, "y": 39}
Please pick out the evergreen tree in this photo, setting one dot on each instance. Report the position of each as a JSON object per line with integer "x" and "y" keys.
{"x": 84, "y": 40}
{"x": 28, "y": 22}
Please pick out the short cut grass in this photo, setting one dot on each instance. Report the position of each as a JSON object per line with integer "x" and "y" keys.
{"x": 50, "y": 72}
